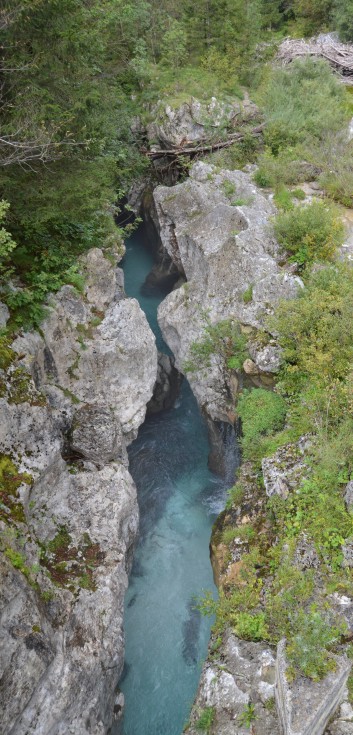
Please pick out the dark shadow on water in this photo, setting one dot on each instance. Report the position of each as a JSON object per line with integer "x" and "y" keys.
{"x": 191, "y": 632}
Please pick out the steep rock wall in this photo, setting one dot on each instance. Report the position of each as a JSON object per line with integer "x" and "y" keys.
{"x": 72, "y": 398}
{"x": 215, "y": 227}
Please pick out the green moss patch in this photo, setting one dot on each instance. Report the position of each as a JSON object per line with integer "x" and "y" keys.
{"x": 71, "y": 566}
{"x": 11, "y": 508}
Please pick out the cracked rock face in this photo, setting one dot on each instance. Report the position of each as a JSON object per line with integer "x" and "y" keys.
{"x": 307, "y": 711}
{"x": 216, "y": 228}
{"x": 242, "y": 673}
{"x": 69, "y": 517}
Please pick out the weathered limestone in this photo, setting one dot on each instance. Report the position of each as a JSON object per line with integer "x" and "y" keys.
{"x": 348, "y": 496}
{"x": 241, "y": 673}
{"x": 191, "y": 122}
{"x": 167, "y": 387}
{"x": 216, "y": 228}
{"x": 4, "y": 315}
{"x": 303, "y": 710}
{"x": 96, "y": 434}
{"x": 285, "y": 469}
{"x": 69, "y": 519}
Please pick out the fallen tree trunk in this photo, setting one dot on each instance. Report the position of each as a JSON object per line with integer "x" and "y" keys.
{"x": 205, "y": 148}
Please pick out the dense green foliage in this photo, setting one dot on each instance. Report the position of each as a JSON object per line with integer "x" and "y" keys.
{"x": 343, "y": 19}
{"x": 262, "y": 412}
{"x": 307, "y": 111}
{"x": 274, "y": 596}
{"x": 75, "y": 73}
{"x": 65, "y": 151}
{"x": 301, "y": 102}
{"x": 309, "y": 233}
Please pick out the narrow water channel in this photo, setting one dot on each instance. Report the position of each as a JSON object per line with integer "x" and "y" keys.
{"x": 166, "y": 637}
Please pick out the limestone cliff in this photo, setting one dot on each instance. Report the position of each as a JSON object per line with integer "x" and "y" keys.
{"x": 215, "y": 227}
{"x": 73, "y": 395}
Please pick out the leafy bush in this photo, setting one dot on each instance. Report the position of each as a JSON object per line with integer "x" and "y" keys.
{"x": 7, "y": 244}
{"x": 334, "y": 157}
{"x": 284, "y": 169}
{"x": 248, "y": 715}
{"x": 223, "y": 341}
{"x": 262, "y": 412}
{"x": 315, "y": 331}
{"x": 244, "y": 532}
{"x": 251, "y": 627}
{"x": 307, "y": 651}
{"x": 248, "y": 294}
{"x": 283, "y": 199}
{"x": 308, "y": 233}
{"x": 343, "y": 19}
{"x": 235, "y": 496}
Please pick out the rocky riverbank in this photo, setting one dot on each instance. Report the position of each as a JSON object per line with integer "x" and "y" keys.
{"x": 73, "y": 395}
{"x": 216, "y": 227}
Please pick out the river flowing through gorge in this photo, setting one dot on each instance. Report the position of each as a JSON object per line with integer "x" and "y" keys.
{"x": 179, "y": 498}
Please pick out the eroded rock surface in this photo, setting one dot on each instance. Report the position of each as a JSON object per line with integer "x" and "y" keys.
{"x": 303, "y": 710}
{"x": 73, "y": 397}
{"x": 241, "y": 674}
{"x": 216, "y": 228}
{"x": 195, "y": 121}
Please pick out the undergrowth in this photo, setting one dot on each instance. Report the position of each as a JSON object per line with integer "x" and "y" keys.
{"x": 272, "y": 593}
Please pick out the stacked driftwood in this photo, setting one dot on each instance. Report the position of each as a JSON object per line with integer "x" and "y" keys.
{"x": 326, "y": 46}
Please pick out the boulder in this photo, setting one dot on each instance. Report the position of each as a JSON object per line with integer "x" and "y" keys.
{"x": 100, "y": 278}
{"x": 241, "y": 673}
{"x": 96, "y": 434}
{"x": 4, "y": 315}
{"x": 267, "y": 359}
{"x": 113, "y": 363}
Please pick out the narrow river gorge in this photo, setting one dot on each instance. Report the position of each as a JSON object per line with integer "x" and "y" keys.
{"x": 179, "y": 498}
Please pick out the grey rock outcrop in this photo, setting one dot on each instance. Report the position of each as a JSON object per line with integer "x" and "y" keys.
{"x": 193, "y": 120}
{"x": 216, "y": 228}
{"x": 242, "y": 673}
{"x": 348, "y": 496}
{"x": 4, "y": 315}
{"x": 68, "y": 511}
{"x": 303, "y": 710}
{"x": 167, "y": 387}
{"x": 96, "y": 434}
{"x": 285, "y": 469}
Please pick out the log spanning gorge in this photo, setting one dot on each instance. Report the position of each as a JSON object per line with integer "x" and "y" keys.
{"x": 179, "y": 498}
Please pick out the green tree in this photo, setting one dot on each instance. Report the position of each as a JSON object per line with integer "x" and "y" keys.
{"x": 314, "y": 14}
{"x": 66, "y": 150}
{"x": 173, "y": 46}
{"x": 343, "y": 19}
{"x": 7, "y": 244}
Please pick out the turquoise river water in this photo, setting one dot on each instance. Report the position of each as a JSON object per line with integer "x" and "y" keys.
{"x": 166, "y": 637}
